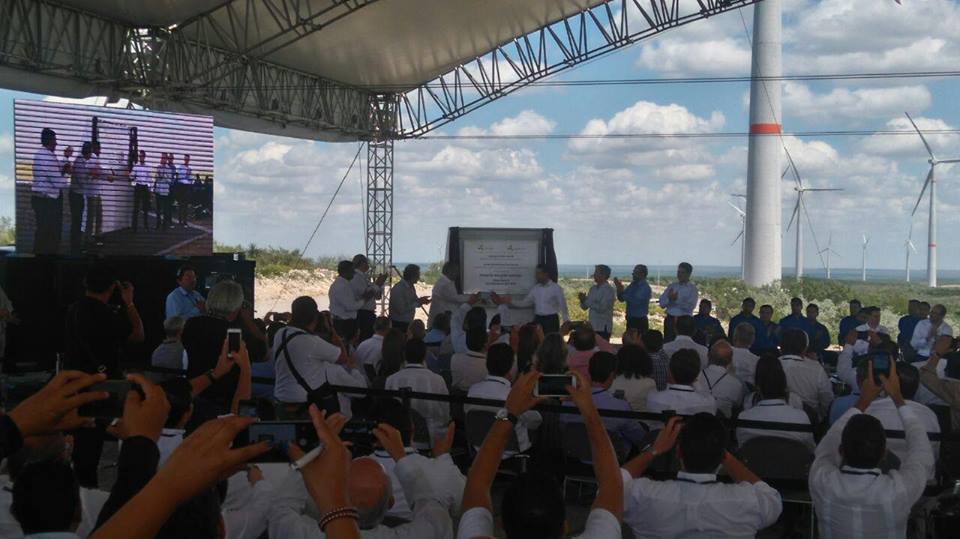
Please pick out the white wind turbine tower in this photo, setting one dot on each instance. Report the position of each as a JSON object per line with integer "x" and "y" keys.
{"x": 799, "y": 212}
{"x": 740, "y": 238}
{"x": 931, "y": 182}
{"x": 828, "y": 250}
{"x": 863, "y": 259}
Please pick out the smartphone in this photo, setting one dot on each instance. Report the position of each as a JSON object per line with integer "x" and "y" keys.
{"x": 554, "y": 385}
{"x": 575, "y": 325}
{"x": 881, "y": 364}
{"x": 359, "y": 432}
{"x": 112, "y": 406}
{"x": 233, "y": 340}
{"x": 279, "y": 435}
{"x": 247, "y": 408}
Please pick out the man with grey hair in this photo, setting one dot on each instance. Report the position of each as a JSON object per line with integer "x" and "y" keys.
{"x": 718, "y": 378}
{"x": 404, "y": 300}
{"x": 928, "y": 330}
{"x": 599, "y": 301}
{"x": 744, "y": 361}
{"x": 170, "y": 353}
{"x": 371, "y": 492}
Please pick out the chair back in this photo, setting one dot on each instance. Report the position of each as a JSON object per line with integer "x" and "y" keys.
{"x": 421, "y": 434}
{"x": 479, "y": 423}
{"x": 773, "y": 458}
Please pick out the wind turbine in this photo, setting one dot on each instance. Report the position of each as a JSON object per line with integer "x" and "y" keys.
{"x": 740, "y": 238}
{"x": 828, "y": 250}
{"x": 931, "y": 182}
{"x": 863, "y": 259}
{"x": 909, "y": 246}
{"x": 799, "y": 207}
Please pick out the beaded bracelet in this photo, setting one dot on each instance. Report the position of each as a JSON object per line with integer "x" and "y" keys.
{"x": 338, "y": 513}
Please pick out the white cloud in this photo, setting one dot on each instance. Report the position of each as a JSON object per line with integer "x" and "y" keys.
{"x": 678, "y": 57}
{"x": 527, "y": 122}
{"x": 910, "y": 145}
{"x": 855, "y": 105}
{"x": 644, "y": 117}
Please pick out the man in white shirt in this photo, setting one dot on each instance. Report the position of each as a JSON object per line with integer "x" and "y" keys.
{"x": 371, "y": 492}
{"x": 315, "y": 361}
{"x": 46, "y": 192}
{"x": 97, "y": 178}
{"x": 678, "y": 299}
{"x": 418, "y": 378}
{"x": 363, "y": 286}
{"x": 404, "y": 300}
{"x": 163, "y": 182}
{"x": 500, "y": 366}
{"x": 533, "y": 504}
{"x": 719, "y": 380}
{"x": 852, "y": 496}
{"x": 685, "y": 328}
{"x": 444, "y": 296}
{"x": 695, "y": 504}
{"x": 370, "y": 351}
{"x": 184, "y": 188}
{"x": 680, "y": 396}
{"x": 344, "y": 303}
{"x": 744, "y": 361}
{"x": 805, "y": 376}
{"x": 928, "y": 330}
{"x": 547, "y": 299}
{"x": 774, "y": 405}
{"x": 599, "y": 300}
{"x": 142, "y": 180}
{"x": 77, "y": 196}
{"x": 869, "y": 332}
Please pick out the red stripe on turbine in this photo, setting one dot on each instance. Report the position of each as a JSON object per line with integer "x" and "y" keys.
{"x": 932, "y": 245}
{"x": 765, "y": 129}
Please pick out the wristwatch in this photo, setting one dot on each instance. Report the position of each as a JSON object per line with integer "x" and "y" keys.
{"x": 649, "y": 449}
{"x": 211, "y": 377}
{"x": 504, "y": 415}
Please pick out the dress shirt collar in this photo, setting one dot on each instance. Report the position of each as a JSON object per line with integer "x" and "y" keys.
{"x": 474, "y": 353}
{"x": 772, "y": 402}
{"x": 685, "y": 338}
{"x": 700, "y": 478}
{"x": 414, "y": 366}
{"x": 680, "y": 387}
{"x": 185, "y": 292}
{"x": 497, "y": 379}
{"x": 850, "y": 470}
{"x": 791, "y": 357}
{"x": 170, "y": 433}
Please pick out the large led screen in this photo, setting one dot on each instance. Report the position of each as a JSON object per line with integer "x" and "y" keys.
{"x": 111, "y": 181}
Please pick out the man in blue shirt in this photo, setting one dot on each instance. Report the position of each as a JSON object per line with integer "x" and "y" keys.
{"x": 796, "y": 320}
{"x": 603, "y": 366}
{"x": 708, "y": 327}
{"x": 746, "y": 316}
{"x": 768, "y": 338}
{"x": 819, "y": 334}
{"x": 905, "y": 326}
{"x": 637, "y": 298}
{"x": 184, "y": 301}
{"x": 849, "y": 323}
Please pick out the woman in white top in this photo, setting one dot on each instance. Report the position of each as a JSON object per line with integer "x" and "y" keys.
{"x": 633, "y": 377}
{"x": 772, "y": 405}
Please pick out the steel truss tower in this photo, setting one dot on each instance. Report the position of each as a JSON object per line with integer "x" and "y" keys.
{"x": 380, "y": 190}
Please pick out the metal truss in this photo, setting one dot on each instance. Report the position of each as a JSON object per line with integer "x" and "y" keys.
{"x": 202, "y": 63}
{"x": 379, "y": 220}
{"x": 554, "y": 48}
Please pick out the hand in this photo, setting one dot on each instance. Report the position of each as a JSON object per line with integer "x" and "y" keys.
{"x": 566, "y": 327}
{"x": 254, "y": 475}
{"x": 851, "y": 337}
{"x": 390, "y": 439}
{"x": 869, "y": 390}
{"x": 618, "y": 284}
{"x": 54, "y": 407}
{"x": 667, "y": 437}
{"x": 475, "y": 298}
{"x": 874, "y": 338}
{"x": 126, "y": 293}
{"x": 205, "y": 457}
{"x": 521, "y": 396}
{"x": 382, "y": 278}
{"x": 582, "y": 296}
{"x": 539, "y": 332}
{"x": 226, "y": 361}
{"x": 241, "y": 356}
{"x": 326, "y": 477}
{"x": 442, "y": 445}
{"x": 582, "y": 395}
{"x": 672, "y": 295}
{"x": 425, "y": 300}
{"x": 891, "y": 384}
{"x": 145, "y": 417}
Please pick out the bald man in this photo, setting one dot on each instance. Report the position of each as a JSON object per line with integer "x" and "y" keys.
{"x": 718, "y": 378}
{"x": 372, "y": 494}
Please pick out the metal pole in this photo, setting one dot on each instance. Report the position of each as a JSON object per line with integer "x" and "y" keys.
{"x": 379, "y": 237}
{"x": 907, "y": 246}
{"x": 932, "y": 243}
{"x": 763, "y": 241}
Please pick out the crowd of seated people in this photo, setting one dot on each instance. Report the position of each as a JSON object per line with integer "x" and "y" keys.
{"x": 666, "y": 460}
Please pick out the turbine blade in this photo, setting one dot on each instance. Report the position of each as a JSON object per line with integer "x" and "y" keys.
{"x": 927, "y": 145}
{"x": 740, "y": 235}
{"x": 796, "y": 212}
{"x": 734, "y": 206}
{"x": 808, "y": 189}
{"x": 796, "y": 173}
{"x": 948, "y": 161}
{"x": 922, "y": 191}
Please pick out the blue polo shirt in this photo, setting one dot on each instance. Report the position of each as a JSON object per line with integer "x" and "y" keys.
{"x": 794, "y": 321}
{"x": 183, "y": 304}
{"x": 820, "y": 339}
{"x": 906, "y": 325}
{"x": 707, "y": 327}
{"x": 637, "y": 297}
{"x": 767, "y": 339}
{"x": 847, "y": 324}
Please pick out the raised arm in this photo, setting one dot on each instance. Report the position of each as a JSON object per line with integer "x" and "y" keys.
{"x": 133, "y": 316}
{"x": 664, "y": 442}
{"x": 485, "y": 465}
{"x": 609, "y": 482}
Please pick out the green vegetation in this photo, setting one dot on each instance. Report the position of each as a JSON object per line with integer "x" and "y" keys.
{"x": 8, "y": 232}
{"x": 275, "y": 261}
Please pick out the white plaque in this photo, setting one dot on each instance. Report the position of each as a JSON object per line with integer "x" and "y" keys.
{"x": 504, "y": 266}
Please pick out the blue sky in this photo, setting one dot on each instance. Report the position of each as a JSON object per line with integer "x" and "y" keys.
{"x": 638, "y": 200}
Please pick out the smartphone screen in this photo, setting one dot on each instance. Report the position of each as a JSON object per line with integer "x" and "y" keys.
{"x": 233, "y": 340}
{"x": 554, "y": 385}
{"x": 112, "y": 406}
{"x": 279, "y": 435}
{"x": 881, "y": 363}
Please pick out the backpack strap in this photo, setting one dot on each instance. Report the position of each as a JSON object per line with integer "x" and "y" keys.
{"x": 287, "y": 337}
